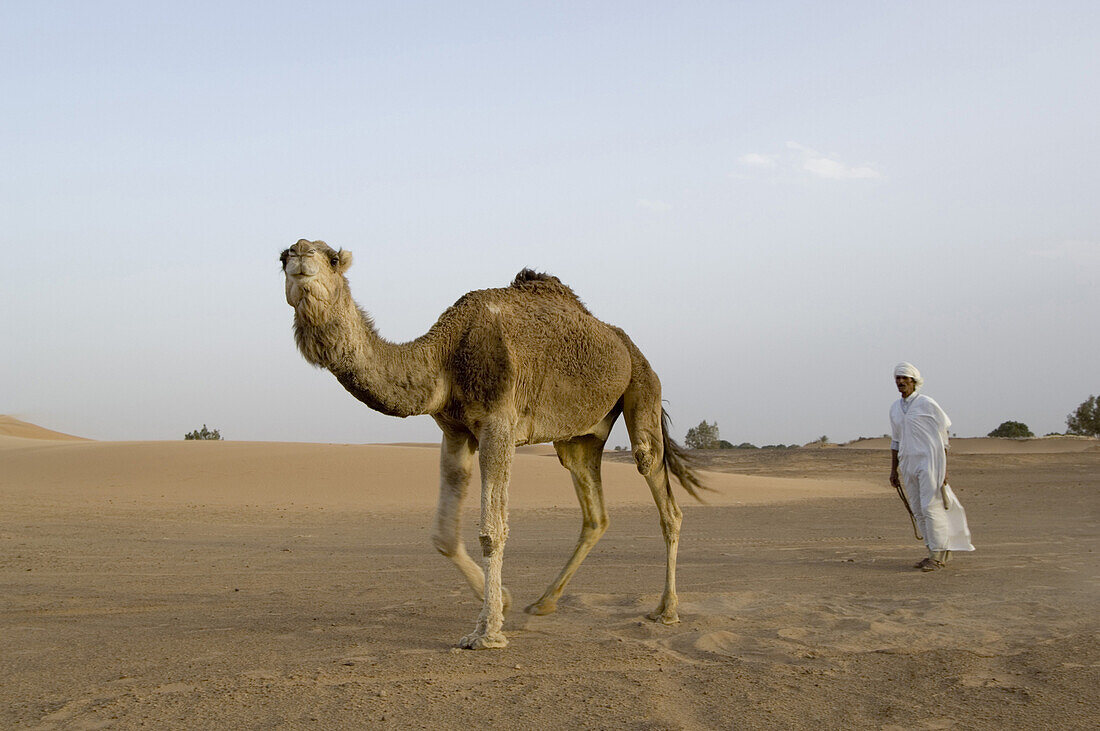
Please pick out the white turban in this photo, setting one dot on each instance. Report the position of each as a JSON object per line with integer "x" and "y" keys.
{"x": 910, "y": 370}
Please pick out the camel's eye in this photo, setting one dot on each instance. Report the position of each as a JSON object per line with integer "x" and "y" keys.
{"x": 334, "y": 260}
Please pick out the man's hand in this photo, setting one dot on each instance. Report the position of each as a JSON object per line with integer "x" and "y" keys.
{"x": 894, "y": 480}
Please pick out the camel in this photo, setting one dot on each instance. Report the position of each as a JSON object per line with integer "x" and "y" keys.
{"x": 523, "y": 364}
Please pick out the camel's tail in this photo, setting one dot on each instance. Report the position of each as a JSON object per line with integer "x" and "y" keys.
{"x": 679, "y": 462}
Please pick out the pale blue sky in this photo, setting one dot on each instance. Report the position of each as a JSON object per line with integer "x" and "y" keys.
{"x": 778, "y": 201}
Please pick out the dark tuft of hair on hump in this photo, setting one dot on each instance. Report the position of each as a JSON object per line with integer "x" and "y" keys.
{"x": 527, "y": 276}
{"x": 531, "y": 281}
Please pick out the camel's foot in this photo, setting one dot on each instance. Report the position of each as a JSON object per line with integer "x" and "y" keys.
{"x": 541, "y": 607}
{"x": 483, "y": 641}
{"x": 664, "y": 616}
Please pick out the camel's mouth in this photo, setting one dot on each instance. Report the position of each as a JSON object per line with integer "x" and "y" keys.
{"x": 302, "y": 282}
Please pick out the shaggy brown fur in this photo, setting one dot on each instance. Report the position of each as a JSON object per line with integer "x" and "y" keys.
{"x": 523, "y": 364}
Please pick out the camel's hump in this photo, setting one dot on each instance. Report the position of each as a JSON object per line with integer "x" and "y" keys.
{"x": 531, "y": 281}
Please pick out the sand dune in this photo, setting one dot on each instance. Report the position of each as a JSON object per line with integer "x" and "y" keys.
{"x": 394, "y": 477}
{"x": 12, "y": 427}
{"x": 361, "y": 477}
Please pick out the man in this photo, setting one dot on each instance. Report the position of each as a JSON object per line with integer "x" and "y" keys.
{"x": 919, "y": 460}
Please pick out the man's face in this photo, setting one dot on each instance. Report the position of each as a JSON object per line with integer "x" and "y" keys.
{"x": 906, "y": 385}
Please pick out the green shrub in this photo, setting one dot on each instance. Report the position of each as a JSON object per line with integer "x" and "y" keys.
{"x": 1012, "y": 430}
{"x": 203, "y": 433}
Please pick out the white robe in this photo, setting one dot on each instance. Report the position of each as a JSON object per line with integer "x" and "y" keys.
{"x": 919, "y": 428}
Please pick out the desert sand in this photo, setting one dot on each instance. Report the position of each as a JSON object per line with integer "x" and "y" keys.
{"x": 260, "y": 585}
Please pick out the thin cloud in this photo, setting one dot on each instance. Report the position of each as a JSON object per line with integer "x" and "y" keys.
{"x": 808, "y": 151}
{"x": 823, "y": 167}
{"x": 800, "y": 158}
{"x": 757, "y": 160}
{"x": 654, "y": 205}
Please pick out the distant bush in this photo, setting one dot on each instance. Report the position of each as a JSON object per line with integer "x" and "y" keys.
{"x": 1012, "y": 430}
{"x": 723, "y": 444}
{"x": 1085, "y": 420}
{"x": 203, "y": 433}
{"x": 704, "y": 436}
{"x": 859, "y": 439}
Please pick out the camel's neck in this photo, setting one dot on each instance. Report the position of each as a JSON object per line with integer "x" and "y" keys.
{"x": 398, "y": 380}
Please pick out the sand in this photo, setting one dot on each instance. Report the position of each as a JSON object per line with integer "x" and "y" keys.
{"x": 258, "y": 585}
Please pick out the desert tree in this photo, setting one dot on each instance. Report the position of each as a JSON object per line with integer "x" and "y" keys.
{"x": 703, "y": 436}
{"x": 1085, "y": 420}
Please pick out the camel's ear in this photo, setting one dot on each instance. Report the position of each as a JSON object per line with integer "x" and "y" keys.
{"x": 345, "y": 261}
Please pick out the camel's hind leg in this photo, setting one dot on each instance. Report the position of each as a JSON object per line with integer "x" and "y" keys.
{"x": 642, "y": 414}
{"x": 671, "y": 517}
{"x": 455, "y": 464}
{"x": 582, "y": 457}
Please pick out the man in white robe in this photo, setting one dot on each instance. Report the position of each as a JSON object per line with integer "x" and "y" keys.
{"x": 919, "y": 461}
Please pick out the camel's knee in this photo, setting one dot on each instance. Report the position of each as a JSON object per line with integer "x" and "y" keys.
{"x": 447, "y": 545}
{"x": 491, "y": 543}
{"x": 597, "y": 525}
{"x": 454, "y": 477}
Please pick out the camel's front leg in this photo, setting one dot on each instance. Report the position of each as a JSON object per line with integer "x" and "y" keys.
{"x": 456, "y": 460}
{"x": 497, "y": 447}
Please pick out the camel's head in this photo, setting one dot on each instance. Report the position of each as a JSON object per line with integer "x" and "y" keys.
{"x": 314, "y": 276}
